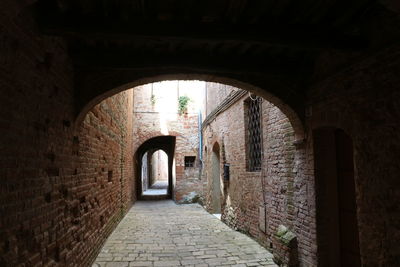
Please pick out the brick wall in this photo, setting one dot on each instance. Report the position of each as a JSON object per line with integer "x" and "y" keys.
{"x": 285, "y": 183}
{"x": 57, "y": 202}
{"x": 161, "y": 117}
{"x": 105, "y": 186}
{"x": 215, "y": 94}
{"x": 364, "y": 101}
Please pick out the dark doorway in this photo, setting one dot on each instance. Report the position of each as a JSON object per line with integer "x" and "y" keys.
{"x": 337, "y": 227}
{"x": 155, "y": 173}
{"x": 216, "y": 180}
{"x": 154, "y": 168}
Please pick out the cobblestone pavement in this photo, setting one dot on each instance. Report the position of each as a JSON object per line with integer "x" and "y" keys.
{"x": 158, "y": 188}
{"x": 161, "y": 233}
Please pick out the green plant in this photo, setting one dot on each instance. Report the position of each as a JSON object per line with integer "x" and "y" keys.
{"x": 183, "y": 103}
{"x": 153, "y": 99}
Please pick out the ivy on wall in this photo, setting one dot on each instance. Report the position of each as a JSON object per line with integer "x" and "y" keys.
{"x": 183, "y": 102}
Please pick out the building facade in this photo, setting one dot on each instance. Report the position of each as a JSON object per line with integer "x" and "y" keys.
{"x": 261, "y": 180}
{"x": 172, "y": 108}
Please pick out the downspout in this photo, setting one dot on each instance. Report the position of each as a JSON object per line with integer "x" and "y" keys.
{"x": 200, "y": 139}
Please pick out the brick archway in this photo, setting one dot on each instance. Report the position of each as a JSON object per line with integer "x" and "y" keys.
{"x": 86, "y": 102}
{"x": 165, "y": 143}
{"x": 216, "y": 178}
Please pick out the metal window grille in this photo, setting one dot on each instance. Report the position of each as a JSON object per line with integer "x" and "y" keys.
{"x": 254, "y": 134}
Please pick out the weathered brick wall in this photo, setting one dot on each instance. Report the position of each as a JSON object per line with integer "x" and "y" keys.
{"x": 284, "y": 172}
{"x": 105, "y": 187}
{"x": 364, "y": 101}
{"x": 51, "y": 204}
{"x": 215, "y": 94}
{"x": 56, "y": 203}
{"x": 288, "y": 187}
{"x": 152, "y": 120}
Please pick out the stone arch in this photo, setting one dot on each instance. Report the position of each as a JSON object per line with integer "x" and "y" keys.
{"x": 216, "y": 147}
{"x": 294, "y": 111}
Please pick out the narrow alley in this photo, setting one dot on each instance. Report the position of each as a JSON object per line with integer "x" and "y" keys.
{"x": 199, "y": 133}
{"x": 161, "y": 233}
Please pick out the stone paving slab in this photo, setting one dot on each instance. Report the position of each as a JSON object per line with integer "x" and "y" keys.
{"x": 158, "y": 188}
{"x": 161, "y": 233}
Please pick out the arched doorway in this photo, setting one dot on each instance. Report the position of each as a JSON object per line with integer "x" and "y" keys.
{"x": 337, "y": 226}
{"x": 216, "y": 179}
{"x": 155, "y": 173}
{"x": 148, "y": 169}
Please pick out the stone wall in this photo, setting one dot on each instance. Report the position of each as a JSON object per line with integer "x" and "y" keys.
{"x": 282, "y": 180}
{"x": 60, "y": 183}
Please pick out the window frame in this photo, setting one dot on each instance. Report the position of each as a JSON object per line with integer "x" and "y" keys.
{"x": 253, "y": 164}
{"x": 191, "y": 162}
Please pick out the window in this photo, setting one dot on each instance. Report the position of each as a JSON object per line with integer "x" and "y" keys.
{"x": 253, "y": 133}
{"x": 189, "y": 161}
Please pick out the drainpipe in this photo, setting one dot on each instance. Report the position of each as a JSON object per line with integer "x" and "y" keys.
{"x": 200, "y": 140}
